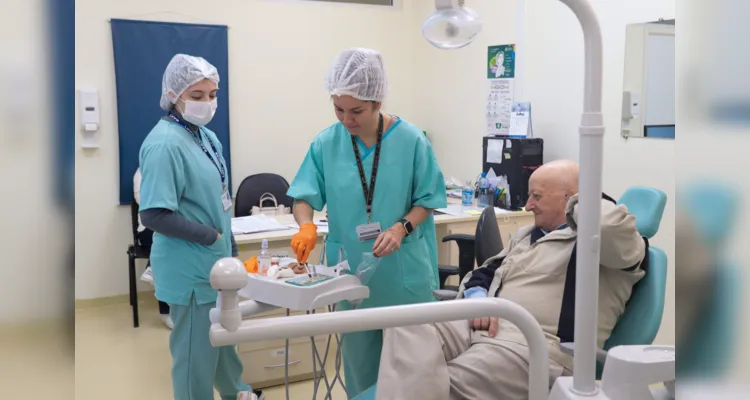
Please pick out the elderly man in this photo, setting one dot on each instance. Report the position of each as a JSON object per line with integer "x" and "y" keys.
{"x": 488, "y": 358}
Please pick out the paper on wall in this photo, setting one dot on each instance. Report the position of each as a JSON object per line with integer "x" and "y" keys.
{"x": 495, "y": 151}
{"x": 499, "y": 104}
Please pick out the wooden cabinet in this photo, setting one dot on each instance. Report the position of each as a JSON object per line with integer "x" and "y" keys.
{"x": 264, "y": 361}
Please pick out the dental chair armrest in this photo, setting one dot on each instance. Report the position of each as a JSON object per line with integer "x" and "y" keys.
{"x": 569, "y": 348}
{"x": 443, "y": 294}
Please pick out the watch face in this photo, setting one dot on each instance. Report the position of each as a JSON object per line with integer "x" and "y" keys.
{"x": 407, "y": 226}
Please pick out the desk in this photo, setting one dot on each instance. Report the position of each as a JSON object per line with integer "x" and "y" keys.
{"x": 264, "y": 361}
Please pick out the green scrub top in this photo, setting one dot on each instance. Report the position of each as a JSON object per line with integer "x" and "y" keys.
{"x": 178, "y": 176}
{"x": 408, "y": 176}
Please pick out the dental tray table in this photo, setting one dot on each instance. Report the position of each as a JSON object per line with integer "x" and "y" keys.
{"x": 280, "y": 293}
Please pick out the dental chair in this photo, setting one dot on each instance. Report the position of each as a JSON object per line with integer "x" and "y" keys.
{"x": 642, "y": 317}
{"x": 708, "y": 352}
{"x": 640, "y": 322}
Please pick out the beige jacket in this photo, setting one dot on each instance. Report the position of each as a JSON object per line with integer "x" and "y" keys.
{"x": 534, "y": 276}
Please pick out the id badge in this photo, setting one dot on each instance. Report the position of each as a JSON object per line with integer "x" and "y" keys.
{"x": 226, "y": 201}
{"x": 368, "y": 232}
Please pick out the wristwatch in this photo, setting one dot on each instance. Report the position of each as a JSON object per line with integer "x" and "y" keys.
{"x": 408, "y": 227}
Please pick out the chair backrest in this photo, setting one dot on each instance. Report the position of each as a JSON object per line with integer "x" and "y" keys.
{"x": 487, "y": 240}
{"x": 640, "y": 322}
{"x": 254, "y": 186}
{"x": 134, "y": 221}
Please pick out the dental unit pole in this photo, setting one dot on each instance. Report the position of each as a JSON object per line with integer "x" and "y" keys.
{"x": 228, "y": 272}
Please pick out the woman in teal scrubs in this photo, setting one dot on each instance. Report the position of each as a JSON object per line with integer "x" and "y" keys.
{"x": 185, "y": 201}
{"x": 380, "y": 181}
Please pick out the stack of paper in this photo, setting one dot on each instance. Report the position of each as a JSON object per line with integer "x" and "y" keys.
{"x": 256, "y": 224}
{"x": 322, "y": 226}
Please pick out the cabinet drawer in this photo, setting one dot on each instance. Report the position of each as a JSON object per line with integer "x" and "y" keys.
{"x": 247, "y": 347}
{"x": 265, "y": 367}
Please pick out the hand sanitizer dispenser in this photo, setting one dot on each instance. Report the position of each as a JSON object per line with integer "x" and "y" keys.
{"x": 89, "y": 103}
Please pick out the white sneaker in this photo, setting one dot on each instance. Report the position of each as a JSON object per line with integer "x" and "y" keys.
{"x": 147, "y": 276}
{"x": 167, "y": 321}
{"x": 254, "y": 395}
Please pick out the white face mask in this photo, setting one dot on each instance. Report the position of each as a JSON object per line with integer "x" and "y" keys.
{"x": 199, "y": 112}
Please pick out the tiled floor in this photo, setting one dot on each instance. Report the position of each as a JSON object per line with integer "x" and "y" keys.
{"x": 116, "y": 362}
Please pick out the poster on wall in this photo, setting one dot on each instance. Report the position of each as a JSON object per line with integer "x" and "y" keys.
{"x": 501, "y": 67}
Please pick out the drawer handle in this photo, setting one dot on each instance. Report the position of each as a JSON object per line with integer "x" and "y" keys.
{"x": 281, "y": 365}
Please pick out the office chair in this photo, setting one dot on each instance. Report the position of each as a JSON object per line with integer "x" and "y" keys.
{"x": 135, "y": 251}
{"x": 640, "y": 322}
{"x": 471, "y": 249}
{"x": 254, "y": 186}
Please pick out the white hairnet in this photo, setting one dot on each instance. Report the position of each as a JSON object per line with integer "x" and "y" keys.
{"x": 359, "y": 73}
{"x": 181, "y": 73}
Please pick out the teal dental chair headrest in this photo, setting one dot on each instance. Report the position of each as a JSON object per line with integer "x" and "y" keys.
{"x": 711, "y": 207}
{"x": 647, "y": 205}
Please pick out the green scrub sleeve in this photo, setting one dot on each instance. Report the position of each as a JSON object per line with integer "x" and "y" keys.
{"x": 309, "y": 184}
{"x": 428, "y": 189}
{"x": 163, "y": 177}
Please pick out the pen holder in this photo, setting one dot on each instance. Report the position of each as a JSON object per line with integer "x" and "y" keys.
{"x": 501, "y": 200}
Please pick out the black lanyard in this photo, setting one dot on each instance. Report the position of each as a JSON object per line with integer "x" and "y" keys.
{"x": 375, "y": 161}
{"x": 199, "y": 139}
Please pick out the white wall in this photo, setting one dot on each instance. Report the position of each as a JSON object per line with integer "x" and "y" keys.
{"x": 452, "y": 111}
{"x": 279, "y": 51}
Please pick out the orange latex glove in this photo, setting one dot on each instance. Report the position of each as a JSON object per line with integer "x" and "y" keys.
{"x": 251, "y": 265}
{"x": 304, "y": 242}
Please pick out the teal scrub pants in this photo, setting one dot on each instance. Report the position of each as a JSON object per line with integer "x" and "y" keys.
{"x": 198, "y": 367}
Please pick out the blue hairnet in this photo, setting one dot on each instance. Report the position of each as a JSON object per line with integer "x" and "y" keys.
{"x": 181, "y": 73}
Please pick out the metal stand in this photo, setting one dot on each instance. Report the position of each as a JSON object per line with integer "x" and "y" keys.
{"x": 323, "y": 361}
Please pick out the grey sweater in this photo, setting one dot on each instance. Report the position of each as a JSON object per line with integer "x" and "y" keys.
{"x": 169, "y": 224}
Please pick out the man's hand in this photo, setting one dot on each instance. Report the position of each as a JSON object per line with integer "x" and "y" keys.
{"x": 485, "y": 324}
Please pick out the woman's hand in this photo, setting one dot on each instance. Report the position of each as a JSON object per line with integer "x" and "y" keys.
{"x": 389, "y": 241}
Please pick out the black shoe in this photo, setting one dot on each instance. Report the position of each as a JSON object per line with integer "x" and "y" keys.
{"x": 260, "y": 394}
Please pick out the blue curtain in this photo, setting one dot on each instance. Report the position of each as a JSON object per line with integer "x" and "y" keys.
{"x": 142, "y": 50}
{"x": 61, "y": 17}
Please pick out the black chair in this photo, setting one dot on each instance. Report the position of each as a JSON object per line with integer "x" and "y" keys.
{"x": 135, "y": 251}
{"x": 254, "y": 186}
{"x": 485, "y": 243}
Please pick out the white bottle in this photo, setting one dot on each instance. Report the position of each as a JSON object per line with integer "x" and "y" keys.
{"x": 264, "y": 259}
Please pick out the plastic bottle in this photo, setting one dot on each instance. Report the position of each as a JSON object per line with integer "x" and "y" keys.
{"x": 264, "y": 259}
{"x": 483, "y": 200}
{"x": 467, "y": 195}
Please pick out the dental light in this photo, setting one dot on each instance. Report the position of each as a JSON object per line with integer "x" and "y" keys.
{"x": 451, "y": 26}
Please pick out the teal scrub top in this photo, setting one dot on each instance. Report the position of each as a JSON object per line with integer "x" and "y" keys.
{"x": 408, "y": 176}
{"x": 178, "y": 176}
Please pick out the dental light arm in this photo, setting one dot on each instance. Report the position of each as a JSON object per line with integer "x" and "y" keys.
{"x": 232, "y": 330}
